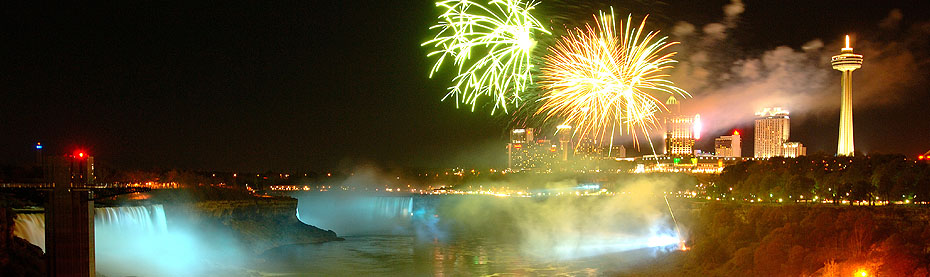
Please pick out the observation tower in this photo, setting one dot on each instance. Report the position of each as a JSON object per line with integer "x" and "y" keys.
{"x": 846, "y": 62}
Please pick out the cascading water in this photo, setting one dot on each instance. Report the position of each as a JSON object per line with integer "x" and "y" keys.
{"x": 30, "y": 227}
{"x": 128, "y": 220}
{"x": 136, "y": 241}
{"x": 131, "y": 219}
{"x": 358, "y": 214}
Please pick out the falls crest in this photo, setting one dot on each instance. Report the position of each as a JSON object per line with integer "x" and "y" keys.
{"x": 128, "y": 220}
{"x": 30, "y": 227}
{"x": 132, "y": 219}
{"x": 356, "y": 214}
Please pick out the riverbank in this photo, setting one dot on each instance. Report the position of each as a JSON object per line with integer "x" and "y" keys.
{"x": 806, "y": 240}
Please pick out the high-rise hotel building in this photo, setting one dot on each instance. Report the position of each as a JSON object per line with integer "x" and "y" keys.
{"x": 526, "y": 152}
{"x": 518, "y": 150}
{"x": 679, "y": 130}
{"x": 772, "y": 130}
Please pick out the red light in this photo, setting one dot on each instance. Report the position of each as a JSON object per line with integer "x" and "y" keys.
{"x": 518, "y": 146}
{"x": 921, "y": 157}
{"x": 81, "y": 154}
{"x": 735, "y": 132}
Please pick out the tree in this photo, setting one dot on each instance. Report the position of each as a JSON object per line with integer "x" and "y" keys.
{"x": 860, "y": 237}
{"x": 861, "y": 191}
{"x": 798, "y": 185}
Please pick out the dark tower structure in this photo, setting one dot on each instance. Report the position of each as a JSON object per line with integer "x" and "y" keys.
{"x": 69, "y": 216}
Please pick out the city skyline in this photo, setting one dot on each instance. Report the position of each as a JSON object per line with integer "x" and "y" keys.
{"x": 249, "y": 89}
{"x": 467, "y": 138}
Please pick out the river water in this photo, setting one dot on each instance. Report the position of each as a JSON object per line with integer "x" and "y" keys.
{"x": 398, "y": 235}
{"x": 476, "y": 236}
{"x": 406, "y": 256}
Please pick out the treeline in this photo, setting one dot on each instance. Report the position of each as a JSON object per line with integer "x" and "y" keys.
{"x": 793, "y": 240}
{"x": 860, "y": 178}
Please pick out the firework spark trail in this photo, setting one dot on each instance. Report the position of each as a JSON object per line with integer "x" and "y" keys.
{"x": 603, "y": 84}
{"x": 503, "y": 32}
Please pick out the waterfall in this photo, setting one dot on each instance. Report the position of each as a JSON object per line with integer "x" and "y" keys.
{"x": 30, "y": 227}
{"x": 348, "y": 214}
{"x": 393, "y": 206}
{"x": 131, "y": 219}
{"x": 128, "y": 220}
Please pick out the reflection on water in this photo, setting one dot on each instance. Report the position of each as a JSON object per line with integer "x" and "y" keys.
{"x": 418, "y": 235}
{"x": 407, "y": 256}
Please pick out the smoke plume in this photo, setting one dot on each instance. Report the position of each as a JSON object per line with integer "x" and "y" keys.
{"x": 728, "y": 90}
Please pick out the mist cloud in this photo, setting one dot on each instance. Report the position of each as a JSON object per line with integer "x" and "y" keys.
{"x": 683, "y": 29}
{"x": 547, "y": 228}
{"x": 734, "y": 9}
{"x": 570, "y": 227}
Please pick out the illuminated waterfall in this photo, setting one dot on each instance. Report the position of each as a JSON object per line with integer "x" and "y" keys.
{"x": 30, "y": 227}
{"x": 358, "y": 215}
{"x": 129, "y": 220}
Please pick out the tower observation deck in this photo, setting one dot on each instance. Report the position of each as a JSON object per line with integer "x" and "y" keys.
{"x": 846, "y": 62}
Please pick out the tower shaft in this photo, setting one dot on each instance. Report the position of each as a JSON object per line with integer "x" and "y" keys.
{"x": 846, "y": 62}
{"x": 845, "y": 146}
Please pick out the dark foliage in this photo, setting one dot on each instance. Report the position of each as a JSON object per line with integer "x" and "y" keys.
{"x": 805, "y": 240}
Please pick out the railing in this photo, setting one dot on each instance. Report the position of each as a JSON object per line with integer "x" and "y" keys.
{"x": 92, "y": 186}
{"x": 27, "y": 185}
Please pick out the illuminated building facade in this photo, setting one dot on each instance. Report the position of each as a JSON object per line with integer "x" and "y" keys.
{"x": 559, "y": 154}
{"x": 772, "y": 130}
{"x": 728, "y": 146}
{"x": 846, "y": 62}
{"x": 528, "y": 153}
{"x": 793, "y": 150}
{"x": 679, "y": 130}
{"x": 522, "y": 135}
{"x": 679, "y": 137}
{"x": 618, "y": 151}
{"x": 518, "y": 148}
{"x": 543, "y": 155}
{"x": 564, "y": 133}
{"x": 588, "y": 150}
{"x": 696, "y": 164}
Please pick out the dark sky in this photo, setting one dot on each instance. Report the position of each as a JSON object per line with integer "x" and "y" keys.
{"x": 273, "y": 85}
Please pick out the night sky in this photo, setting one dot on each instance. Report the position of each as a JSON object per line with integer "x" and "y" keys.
{"x": 293, "y": 85}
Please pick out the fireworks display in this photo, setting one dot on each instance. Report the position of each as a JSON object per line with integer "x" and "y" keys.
{"x": 490, "y": 45}
{"x": 603, "y": 80}
{"x": 604, "y": 84}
